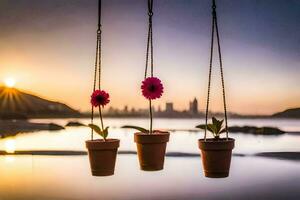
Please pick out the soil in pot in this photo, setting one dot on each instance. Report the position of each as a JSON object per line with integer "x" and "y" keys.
{"x": 151, "y": 149}
{"x": 216, "y": 156}
{"x": 102, "y": 155}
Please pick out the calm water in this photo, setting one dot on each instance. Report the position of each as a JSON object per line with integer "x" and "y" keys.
{"x": 72, "y": 138}
{"x": 68, "y": 177}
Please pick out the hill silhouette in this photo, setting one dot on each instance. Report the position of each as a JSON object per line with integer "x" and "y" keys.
{"x": 15, "y": 104}
{"x": 289, "y": 113}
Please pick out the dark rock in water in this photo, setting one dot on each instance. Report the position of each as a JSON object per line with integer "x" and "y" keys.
{"x": 292, "y": 156}
{"x": 14, "y": 127}
{"x": 256, "y": 130}
{"x": 55, "y": 127}
{"x": 270, "y": 131}
{"x": 74, "y": 123}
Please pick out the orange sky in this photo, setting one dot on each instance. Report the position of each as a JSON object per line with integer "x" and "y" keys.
{"x": 53, "y": 56}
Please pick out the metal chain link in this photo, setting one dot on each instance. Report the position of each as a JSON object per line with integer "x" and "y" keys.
{"x": 215, "y": 25}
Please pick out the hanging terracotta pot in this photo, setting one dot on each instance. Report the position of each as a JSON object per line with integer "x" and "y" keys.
{"x": 151, "y": 149}
{"x": 102, "y": 155}
{"x": 216, "y": 156}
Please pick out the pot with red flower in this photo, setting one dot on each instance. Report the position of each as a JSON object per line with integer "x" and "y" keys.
{"x": 151, "y": 144}
{"x": 102, "y": 152}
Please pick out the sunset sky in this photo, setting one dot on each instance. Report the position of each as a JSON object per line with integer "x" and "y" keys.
{"x": 48, "y": 47}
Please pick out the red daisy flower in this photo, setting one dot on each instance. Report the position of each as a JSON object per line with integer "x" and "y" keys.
{"x": 152, "y": 88}
{"x": 99, "y": 97}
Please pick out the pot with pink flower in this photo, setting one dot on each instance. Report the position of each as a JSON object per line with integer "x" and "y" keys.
{"x": 102, "y": 152}
{"x": 151, "y": 144}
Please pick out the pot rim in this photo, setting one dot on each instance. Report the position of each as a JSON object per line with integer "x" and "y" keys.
{"x": 153, "y": 134}
{"x": 143, "y": 138}
{"x": 221, "y": 140}
{"x": 100, "y": 144}
{"x": 109, "y": 140}
{"x": 216, "y": 145}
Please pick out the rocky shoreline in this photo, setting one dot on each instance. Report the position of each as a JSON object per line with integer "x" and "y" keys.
{"x": 14, "y": 127}
{"x": 265, "y": 130}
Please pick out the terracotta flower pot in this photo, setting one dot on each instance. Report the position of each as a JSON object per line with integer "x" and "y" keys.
{"x": 151, "y": 150}
{"x": 216, "y": 156}
{"x": 102, "y": 156}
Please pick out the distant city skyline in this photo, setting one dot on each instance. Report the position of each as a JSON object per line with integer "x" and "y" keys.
{"x": 48, "y": 48}
{"x": 192, "y": 107}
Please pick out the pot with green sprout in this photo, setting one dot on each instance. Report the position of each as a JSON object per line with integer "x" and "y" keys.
{"x": 102, "y": 152}
{"x": 151, "y": 144}
{"x": 216, "y": 152}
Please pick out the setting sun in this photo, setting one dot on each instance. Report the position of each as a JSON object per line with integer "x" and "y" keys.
{"x": 9, "y": 82}
{"x": 10, "y": 146}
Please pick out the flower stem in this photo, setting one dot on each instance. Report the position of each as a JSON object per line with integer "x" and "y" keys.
{"x": 150, "y": 109}
{"x": 101, "y": 120}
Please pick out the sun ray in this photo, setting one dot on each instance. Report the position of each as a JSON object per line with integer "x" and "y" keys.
{"x": 4, "y": 101}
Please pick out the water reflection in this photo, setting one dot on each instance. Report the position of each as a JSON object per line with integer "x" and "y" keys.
{"x": 42, "y": 177}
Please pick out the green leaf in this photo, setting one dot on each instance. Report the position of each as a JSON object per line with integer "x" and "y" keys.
{"x": 211, "y": 128}
{"x": 95, "y": 128}
{"x": 201, "y": 126}
{"x": 218, "y": 125}
{"x": 215, "y": 121}
{"x": 143, "y": 130}
{"x": 223, "y": 131}
{"x": 105, "y": 132}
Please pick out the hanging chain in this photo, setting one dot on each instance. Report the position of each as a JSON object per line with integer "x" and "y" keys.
{"x": 98, "y": 51}
{"x": 149, "y": 50}
{"x": 97, "y": 63}
{"x": 222, "y": 74}
{"x": 147, "y": 53}
{"x": 209, "y": 76}
{"x": 215, "y": 25}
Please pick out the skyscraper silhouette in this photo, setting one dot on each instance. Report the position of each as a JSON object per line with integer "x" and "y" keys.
{"x": 194, "y": 106}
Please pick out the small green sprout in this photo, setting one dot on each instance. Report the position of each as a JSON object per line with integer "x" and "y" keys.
{"x": 215, "y": 128}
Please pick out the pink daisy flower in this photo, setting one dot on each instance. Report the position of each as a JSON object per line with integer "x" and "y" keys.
{"x": 99, "y": 97}
{"x": 152, "y": 88}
